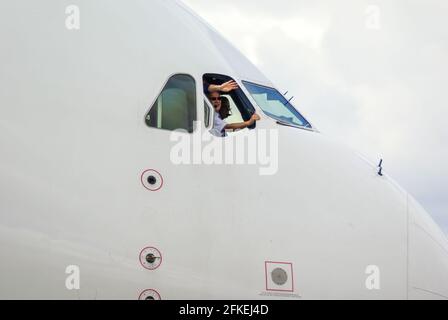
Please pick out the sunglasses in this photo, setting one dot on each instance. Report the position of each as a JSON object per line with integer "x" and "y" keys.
{"x": 216, "y": 99}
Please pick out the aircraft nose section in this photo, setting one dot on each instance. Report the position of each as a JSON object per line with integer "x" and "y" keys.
{"x": 428, "y": 256}
{"x": 334, "y": 201}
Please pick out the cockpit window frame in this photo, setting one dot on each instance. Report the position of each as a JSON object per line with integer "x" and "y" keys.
{"x": 239, "y": 96}
{"x": 208, "y": 121}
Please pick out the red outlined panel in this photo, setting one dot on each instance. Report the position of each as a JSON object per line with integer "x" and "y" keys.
{"x": 149, "y": 294}
{"x": 279, "y": 276}
{"x": 152, "y": 180}
{"x": 150, "y": 258}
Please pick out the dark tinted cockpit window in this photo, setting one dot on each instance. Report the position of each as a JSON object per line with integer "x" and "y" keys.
{"x": 175, "y": 108}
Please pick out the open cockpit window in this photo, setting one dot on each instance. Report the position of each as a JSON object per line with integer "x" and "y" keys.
{"x": 275, "y": 105}
{"x": 175, "y": 108}
{"x": 239, "y": 107}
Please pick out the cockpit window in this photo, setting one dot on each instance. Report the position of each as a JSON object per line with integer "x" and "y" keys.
{"x": 275, "y": 105}
{"x": 175, "y": 108}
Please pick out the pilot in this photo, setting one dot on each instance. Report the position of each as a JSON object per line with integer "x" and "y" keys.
{"x": 221, "y": 106}
{"x": 225, "y": 87}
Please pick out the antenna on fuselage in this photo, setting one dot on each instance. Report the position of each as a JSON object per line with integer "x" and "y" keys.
{"x": 380, "y": 166}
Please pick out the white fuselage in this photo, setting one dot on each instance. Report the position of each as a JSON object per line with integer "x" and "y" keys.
{"x": 74, "y": 145}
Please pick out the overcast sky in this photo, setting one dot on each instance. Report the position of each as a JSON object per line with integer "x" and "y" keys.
{"x": 373, "y": 73}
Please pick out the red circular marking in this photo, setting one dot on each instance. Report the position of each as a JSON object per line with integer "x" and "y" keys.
{"x": 143, "y": 265}
{"x": 152, "y": 290}
{"x": 158, "y": 173}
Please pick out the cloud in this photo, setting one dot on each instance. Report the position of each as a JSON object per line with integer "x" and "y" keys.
{"x": 381, "y": 87}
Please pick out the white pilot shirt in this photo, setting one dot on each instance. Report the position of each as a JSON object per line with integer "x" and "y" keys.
{"x": 218, "y": 126}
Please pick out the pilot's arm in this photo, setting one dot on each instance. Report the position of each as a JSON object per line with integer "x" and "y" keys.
{"x": 225, "y": 87}
{"x": 243, "y": 125}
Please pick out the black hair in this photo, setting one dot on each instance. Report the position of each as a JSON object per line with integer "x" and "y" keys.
{"x": 225, "y": 112}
